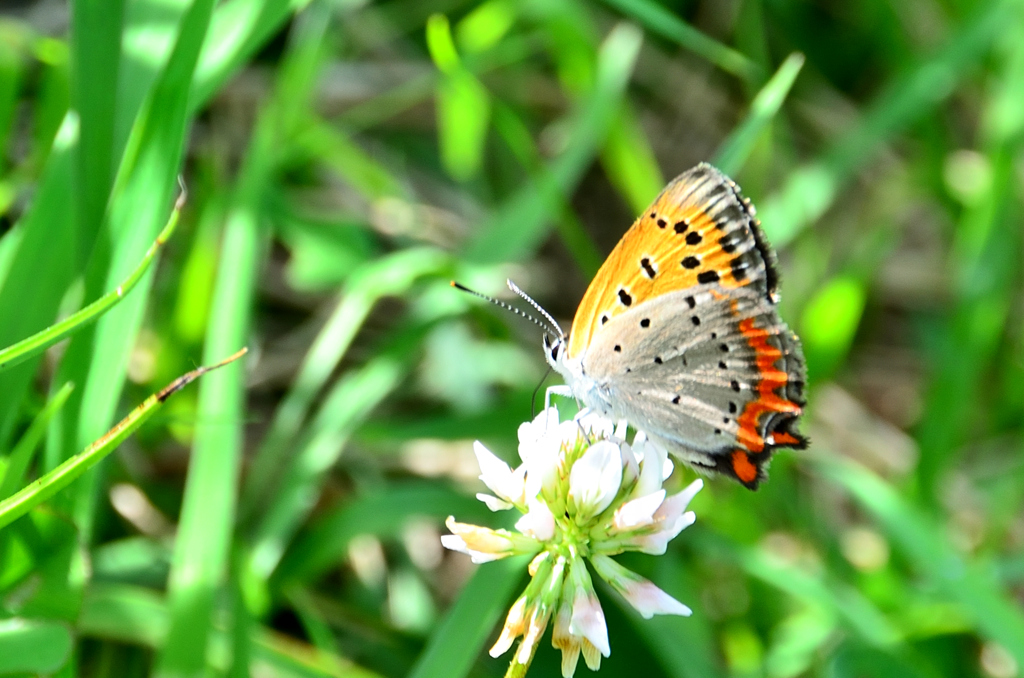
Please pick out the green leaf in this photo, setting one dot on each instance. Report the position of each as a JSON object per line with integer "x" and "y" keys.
{"x": 206, "y": 524}
{"x": 460, "y": 637}
{"x": 734, "y": 151}
{"x": 659, "y": 20}
{"x": 391, "y": 275}
{"x": 972, "y": 584}
{"x": 811, "y": 189}
{"x": 30, "y": 646}
{"x": 40, "y": 270}
{"x": 830, "y": 321}
{"x": 519, "y": 225}
{"x": 95, "y": 59}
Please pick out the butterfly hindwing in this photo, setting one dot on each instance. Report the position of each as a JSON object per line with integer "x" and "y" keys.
{"x": 698, "y": 231}
{"x": 710, "y": 372}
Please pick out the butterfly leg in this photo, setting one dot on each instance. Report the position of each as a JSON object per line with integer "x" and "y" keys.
{"x": 560, "y": 390}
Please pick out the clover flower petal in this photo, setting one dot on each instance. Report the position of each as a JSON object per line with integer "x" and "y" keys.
{"x": 498, "y": 477}
{"x": 515, "y": 626}
{"x": 587, "y": 616}
{"x": 644, "y": 596}
{"x": 538, "y": 522}
{"x": 595, "y": 479}
{"x": 638, "y": 512}
{"x": 484, "y": 544}
{"x": 562, "y": 639}
{"x": 493, "y": 502}
{"x": 595, "y": 424}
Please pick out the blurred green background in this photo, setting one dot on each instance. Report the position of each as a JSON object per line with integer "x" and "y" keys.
{"x": 344, "y": 159}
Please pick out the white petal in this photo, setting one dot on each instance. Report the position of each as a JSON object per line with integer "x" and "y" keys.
{"x": 537, "y": 436}
{"x": 651, "y": 468}
{"x": 595, "y": 423}
{"x": 455, "y": 543}
{"x": 637, "y": 512}
{"x": 493, "y": 502}
{"x": 657, "y": 543}
{"x": 667, "y": 467}
{"x": 630, "y": 468}
{"x": 541, "y": 473}
{"x": 538, "y": 522}
{"x": 570, "y": 657}
{"x": 649, "y": 600}
{"x": 483, "y": 544}
{"x": 674, "y": 506}
{"x": 644, "y": 596}
{"x": 588, "y": 621}
{"x": 497, "y": 475}
{"x": 595, "y": 478}
{"x": 515, "y": 625}
{"x": 591, "y": 655}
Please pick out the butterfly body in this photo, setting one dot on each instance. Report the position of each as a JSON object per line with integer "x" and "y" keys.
{"x": 679, "y": 334}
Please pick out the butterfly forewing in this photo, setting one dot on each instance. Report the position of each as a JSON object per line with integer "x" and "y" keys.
{"x": 700, "y": 230}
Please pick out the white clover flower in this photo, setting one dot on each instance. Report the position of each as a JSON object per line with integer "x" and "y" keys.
{"x": 584, "y": 493}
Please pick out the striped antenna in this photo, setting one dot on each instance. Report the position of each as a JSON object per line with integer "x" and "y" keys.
{"x": 553, "y": 328}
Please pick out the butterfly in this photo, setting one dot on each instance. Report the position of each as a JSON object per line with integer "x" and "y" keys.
{"x": 678, "y": 333}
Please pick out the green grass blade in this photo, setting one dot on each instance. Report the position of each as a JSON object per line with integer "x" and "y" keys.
{"x": 139, "y": 616}
{"x": 813, "y": 590}
{"x": 519, "y": 225}
{"x": 391, "y": 275}
{"x": 238, "y": 29}
{"x": 458, "y": 640}
{"x": 734, "y": 151}
{"x": 517, "y": 136}
{"x": 660, "y": 21}
{"x": 810, "y": 190}
{"x": 463, "y": 105}
{"x": 629, "y": 160}
{"x": 29, "y": 646}
{"x": 983, "y": 266}
{"x": 381, "y": 512}
{"x": 40, "y": 271}
{"x": 343, "y": 409}
{"x": 96, "y": 31}
{"x": 208, "y": 509}
{"x": 24, "y": 450}
{"x": 972, "y": 584}
{"x": 145, "y": 181}
{"x": 45, "y": 487}
{"x": 39, "y": 342}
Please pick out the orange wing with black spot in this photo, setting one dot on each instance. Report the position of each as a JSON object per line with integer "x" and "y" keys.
{"x": 699, "y": 230}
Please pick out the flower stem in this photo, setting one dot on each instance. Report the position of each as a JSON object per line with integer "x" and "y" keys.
{"x": 516, "y": 668}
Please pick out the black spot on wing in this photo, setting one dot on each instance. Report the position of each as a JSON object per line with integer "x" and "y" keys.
{"x": 707, "y": 277}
